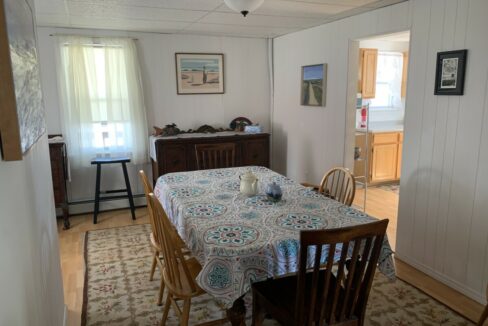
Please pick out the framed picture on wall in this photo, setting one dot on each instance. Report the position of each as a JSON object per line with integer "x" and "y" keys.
{"x": 449, "y": 77}
{"x": 199, "y": 73}
{"x": 313, "y": 86}
{"x": 22, "y": 120}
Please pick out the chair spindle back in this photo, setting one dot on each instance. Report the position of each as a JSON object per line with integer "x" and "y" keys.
{"x": 339, "y": 184}
{"x": 342, "y": 297}
{"x": 215, "y": 156}
{"x": 174, "y": 260}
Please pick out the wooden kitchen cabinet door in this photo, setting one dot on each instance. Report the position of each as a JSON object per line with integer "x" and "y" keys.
{"x": 368, "y": 73}
{"x": 399, "y": 161}
{"x": 384, "y": 162}
{"x": 404, "y": 75}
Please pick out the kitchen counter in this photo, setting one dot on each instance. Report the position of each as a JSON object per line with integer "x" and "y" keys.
{"x": 387, "y": 126}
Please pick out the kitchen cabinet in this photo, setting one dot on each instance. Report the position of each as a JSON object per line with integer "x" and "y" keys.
{"x": 384, "y": 162}
{"x": 385, "y": 156}
{"x": 367, "y": 72}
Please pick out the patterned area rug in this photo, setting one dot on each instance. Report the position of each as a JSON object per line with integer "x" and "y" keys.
{"x": 118, "y": 291}
{"x": 392, "y": 187}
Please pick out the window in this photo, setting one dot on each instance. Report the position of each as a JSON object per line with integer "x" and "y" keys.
{"x": 388, "y": 81}
{"x": 103, "y": 108}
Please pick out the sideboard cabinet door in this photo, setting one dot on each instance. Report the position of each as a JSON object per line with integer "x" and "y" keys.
{"x": 174, "y": 158}
{"x": 256, "y": 152}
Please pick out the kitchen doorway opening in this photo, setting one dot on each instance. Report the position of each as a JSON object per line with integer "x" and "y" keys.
{"x": 378, "y": 73}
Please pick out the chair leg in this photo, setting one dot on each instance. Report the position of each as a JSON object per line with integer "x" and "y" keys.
{"x": 129, "y": 191}
{"x": 185, "y": 316}
{"x": 153, "y": 266}
{"x": 258, "y": 312}
{"x": 166, "y": 309}
{"x": 97, "y": 194}
{"x": 161, "y": 291}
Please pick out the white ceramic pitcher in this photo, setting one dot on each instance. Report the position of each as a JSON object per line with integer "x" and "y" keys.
{"x": 249, "y": 184}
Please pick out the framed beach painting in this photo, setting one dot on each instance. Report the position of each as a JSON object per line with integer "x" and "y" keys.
{"x": 450, "y": 70}
{"x": 313, "y": 86}
{"x": 199, "y": 73}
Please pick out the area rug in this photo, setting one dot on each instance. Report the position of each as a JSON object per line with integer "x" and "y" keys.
{"x": 395, "y": 188}
{"x": 118, "y": 291}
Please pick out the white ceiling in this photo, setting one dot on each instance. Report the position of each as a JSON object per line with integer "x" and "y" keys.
{"x": 211, "y": 17}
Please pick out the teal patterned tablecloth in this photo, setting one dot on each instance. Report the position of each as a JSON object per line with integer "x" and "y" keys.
{"x": 240, "y": 239}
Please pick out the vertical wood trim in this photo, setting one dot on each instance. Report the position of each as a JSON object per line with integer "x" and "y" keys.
{"x": 9, "y": 124}
{"x": 421, "y": 112}
{"x": 469, "y": 249}
{"x": 451, "y": 124}
{"x": 360, "y": 71}
{"x": 404, "y": 75}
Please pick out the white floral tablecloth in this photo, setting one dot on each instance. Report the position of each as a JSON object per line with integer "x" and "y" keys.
{"x": 240, "y": 239}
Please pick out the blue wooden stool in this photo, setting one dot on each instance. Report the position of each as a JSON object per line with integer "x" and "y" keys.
{"x": 99, "y": 162}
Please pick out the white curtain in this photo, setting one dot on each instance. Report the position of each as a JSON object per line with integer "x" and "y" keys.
{"x": 103, "y": 110}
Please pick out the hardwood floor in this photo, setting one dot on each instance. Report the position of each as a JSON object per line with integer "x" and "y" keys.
{"x": 72, "y": 263}
{"x": 381, "y": 204}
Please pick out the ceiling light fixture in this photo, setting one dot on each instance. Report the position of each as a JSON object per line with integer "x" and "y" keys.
{"x": 244, "y": 6}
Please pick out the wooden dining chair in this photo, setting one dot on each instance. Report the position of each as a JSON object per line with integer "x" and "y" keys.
{"x": 338, "y": 183}
{"x": 155, "y": 238}
{"x": 484, "y": 315}
{"x": 319, "y": 294}
{"x": 179, "y": 273}
{"x": 215, "y": 156}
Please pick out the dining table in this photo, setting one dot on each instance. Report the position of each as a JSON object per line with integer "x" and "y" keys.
{"x": 240, "y": 239}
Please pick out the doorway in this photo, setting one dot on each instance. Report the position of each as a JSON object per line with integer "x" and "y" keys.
{"x": 376, "y": 113}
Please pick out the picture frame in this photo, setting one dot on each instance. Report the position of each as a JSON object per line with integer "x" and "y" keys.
{"x": 313, "y": 85}
{"x": 22, "y": 113}
{"x": 199, "y": 73}
{"x": 450, "y": 72}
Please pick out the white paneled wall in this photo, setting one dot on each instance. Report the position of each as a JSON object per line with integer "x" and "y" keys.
{"x": 309, "y": 140}
{"x": 247, "y": 91}
{"x": 443, "y": 217}
{"x": 30, "y": 272}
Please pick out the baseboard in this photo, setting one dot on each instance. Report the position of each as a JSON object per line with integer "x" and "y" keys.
{"x": 65, "y": 318}
{"x": 87, "y": 207}
{"x": 470, "y": 293}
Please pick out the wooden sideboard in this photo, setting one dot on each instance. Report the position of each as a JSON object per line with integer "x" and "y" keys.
{"x": 57, "y": 153}
{"x": 178, "y": 154}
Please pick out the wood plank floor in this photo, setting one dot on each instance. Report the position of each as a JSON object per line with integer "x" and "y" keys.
{"x": 382, "y": 204}
{"x": 72, "y": 264}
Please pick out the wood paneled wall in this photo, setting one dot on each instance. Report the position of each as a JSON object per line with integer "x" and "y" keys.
{"x": 443, "y": 217}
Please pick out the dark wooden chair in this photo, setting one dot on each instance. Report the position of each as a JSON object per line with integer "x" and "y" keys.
{"x": 215, "y": 156}
{"x": 320, "y": 294}
{"x": 338, "y": 184}
{"x": 484, "y": 315}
